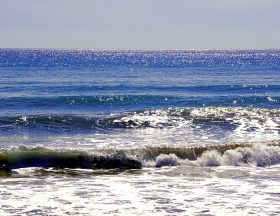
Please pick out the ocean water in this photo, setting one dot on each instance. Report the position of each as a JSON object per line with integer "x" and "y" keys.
{"x": 170, "y": 132}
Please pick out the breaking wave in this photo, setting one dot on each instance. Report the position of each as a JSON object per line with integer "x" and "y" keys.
{"x": 42, "y": 157}
{"x": 225, "y": 118}
{"x": 149, "y": 156}
{"x": 256, "y": 155}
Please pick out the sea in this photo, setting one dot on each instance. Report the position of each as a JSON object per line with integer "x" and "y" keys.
{"x": 139, "y": 132}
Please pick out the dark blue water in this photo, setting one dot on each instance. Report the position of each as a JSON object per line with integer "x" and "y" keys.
{"x": 62, "y": 111}
{"x": 55, "y": 91}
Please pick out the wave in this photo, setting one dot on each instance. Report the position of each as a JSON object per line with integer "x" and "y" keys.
{"x": 50, "y": 88}
{"x": 42, "y": 157}
{"x": 259, "y": 155}
{"x": 149, "y": 156}
{"x": 225, "y": 118}
{"x": 97, "y": 103}
{"x": 198, "y": 116}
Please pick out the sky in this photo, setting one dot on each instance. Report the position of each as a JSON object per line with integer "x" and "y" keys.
{"x": 140, "y": 24}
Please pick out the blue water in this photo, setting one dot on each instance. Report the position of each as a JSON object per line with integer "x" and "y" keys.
{"x": 71, "y": 91}
{"x": 73, "y": 122}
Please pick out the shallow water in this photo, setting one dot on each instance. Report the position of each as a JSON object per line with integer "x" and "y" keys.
{"x": 165, "y": 191}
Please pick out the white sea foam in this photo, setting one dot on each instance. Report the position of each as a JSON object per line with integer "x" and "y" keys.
{"x": 210, "y": 158}
{"x": 259, "y": 155}
{"x": 178, "y": 191}
{"x": 232, "y": 124}
{"x": 167, "y": 160}
{"x": 266, "y": 155}
{"x": 232, "y": 158}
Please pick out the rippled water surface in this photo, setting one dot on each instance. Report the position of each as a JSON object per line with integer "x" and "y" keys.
{"x": 139, "y": 132}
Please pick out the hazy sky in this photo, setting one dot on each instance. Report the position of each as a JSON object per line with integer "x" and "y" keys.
{"x": 140, "y": 24}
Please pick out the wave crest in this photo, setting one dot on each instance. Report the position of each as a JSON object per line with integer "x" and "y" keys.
{"x": 213, "y": 155}
{"x": 260, "y": 155}
{"x": 227, "y": 118}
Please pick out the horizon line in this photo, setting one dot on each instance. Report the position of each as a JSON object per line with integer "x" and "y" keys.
{"x": 144, "y": 49}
